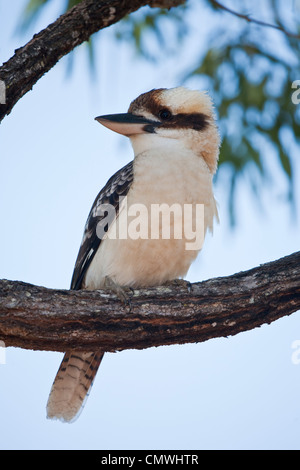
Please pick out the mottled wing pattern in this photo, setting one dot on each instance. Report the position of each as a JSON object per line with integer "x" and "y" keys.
{"x": 116, "y": 187}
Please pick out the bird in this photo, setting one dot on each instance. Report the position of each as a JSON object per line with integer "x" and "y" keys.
{"x": 175, "y": 140}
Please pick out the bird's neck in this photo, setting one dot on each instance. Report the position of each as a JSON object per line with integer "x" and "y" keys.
{"x": 142, "y": 143}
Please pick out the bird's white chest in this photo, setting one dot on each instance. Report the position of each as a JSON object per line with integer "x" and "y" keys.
{"x": 149, "y": 243}
{"x": 171, "y": 178}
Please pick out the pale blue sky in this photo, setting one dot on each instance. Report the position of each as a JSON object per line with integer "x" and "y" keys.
{"x": 236, "y": 393}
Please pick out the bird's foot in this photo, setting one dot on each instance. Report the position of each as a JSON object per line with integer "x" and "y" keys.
{"x": 119, "y": 291}
{"x": 180, "y": 283}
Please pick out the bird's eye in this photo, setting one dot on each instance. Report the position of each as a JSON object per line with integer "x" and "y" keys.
{"x": 165, "y": 114}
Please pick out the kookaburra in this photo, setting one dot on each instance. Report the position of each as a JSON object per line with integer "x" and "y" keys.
{"x": 176, "y": 146}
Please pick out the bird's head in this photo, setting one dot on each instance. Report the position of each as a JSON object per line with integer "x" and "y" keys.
{"x": 176, "y": 116}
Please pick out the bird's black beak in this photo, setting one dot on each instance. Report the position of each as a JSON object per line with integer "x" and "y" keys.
{"x": 128, "y": 124}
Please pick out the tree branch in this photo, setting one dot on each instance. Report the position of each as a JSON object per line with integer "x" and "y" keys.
{"x": 39, "y": 55}
{"x": 39, "y": 318}
{"x": 253, "y": 20}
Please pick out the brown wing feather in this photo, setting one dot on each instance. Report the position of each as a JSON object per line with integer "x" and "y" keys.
{"x": 116, "y": 187}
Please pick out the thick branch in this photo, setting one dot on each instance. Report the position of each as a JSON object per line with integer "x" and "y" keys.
{"x": 39, "y": 318}
{"x": 38, "y": 56}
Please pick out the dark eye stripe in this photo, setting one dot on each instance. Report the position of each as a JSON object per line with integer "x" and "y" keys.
{"x": 150, "y": 101}
{"x": 196, "y": 121}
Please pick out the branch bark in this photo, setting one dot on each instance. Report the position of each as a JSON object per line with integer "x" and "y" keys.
{"x": 39, "y": 55}
{"x": 39, "y": 318}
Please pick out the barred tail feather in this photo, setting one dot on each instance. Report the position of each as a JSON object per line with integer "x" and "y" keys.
{"x": 72, "y": 384}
